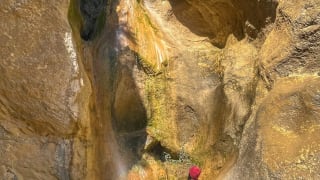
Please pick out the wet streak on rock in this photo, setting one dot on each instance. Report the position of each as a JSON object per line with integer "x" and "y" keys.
{"x": 129, "y": 115}
{"x": 119, "y": 117}
{"x": 63, "y": 159}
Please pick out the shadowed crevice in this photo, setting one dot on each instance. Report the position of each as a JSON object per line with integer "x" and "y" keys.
{"x": 93, "y": 16}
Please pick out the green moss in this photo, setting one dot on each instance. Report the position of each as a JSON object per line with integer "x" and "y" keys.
{"x": 157, "y": 97}
{"x": 147, "y": 67}
{"x": 74, "y": 16}
{"x": 156, "y": 88}
{"x": 143, "y": 16}
{"x": 147, "y": 19}
{"x": 196, "y": 160}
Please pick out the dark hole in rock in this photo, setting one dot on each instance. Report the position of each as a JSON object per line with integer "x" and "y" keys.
{"x": 91, "y": 11}
{"x": 162, "y": 153}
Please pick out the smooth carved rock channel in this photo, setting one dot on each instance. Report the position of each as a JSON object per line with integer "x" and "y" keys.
{"x": 143, "y": 89}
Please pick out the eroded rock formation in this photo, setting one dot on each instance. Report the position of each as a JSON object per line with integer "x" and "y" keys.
{"x": 142, "y": 89}
{"x": 44, "y": 94}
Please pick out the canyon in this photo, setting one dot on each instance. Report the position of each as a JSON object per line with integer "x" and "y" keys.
{"x": 144, "y": 89}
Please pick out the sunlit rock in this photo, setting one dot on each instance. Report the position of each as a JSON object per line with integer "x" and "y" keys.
{"x": 143, "y": 89}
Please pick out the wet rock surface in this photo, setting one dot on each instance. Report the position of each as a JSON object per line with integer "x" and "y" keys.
{"x": 144, "y": 89}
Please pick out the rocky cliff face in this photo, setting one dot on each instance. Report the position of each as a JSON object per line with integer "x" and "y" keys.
{"x": 44, "y": 93}
{"x": 141, "y": 89}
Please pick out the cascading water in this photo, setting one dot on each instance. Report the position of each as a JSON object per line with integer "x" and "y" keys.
{"x": 105, "y": 55}
{"x": 119, "y": 116}
{"x": 87, "y": 17}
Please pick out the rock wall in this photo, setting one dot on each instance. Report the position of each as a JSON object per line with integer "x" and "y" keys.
{"x": 226, "y": 61}
{"x": 279, "y": 138}
{"x": 44, "y": 93}
{"x": 141, "y": 89}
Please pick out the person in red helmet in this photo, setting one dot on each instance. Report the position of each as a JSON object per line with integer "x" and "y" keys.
{"x": 194, "y": 173}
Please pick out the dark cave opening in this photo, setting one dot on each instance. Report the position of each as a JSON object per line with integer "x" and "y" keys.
{"x": 93, "y": 17}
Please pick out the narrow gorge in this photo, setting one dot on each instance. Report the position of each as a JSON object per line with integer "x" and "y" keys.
{"x": 144, "y": 89}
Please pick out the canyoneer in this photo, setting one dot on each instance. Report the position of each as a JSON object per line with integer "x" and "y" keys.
{"x": 194, "y": 173}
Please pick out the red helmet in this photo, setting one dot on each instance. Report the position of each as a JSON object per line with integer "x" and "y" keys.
{"x": 194, "y": 172}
